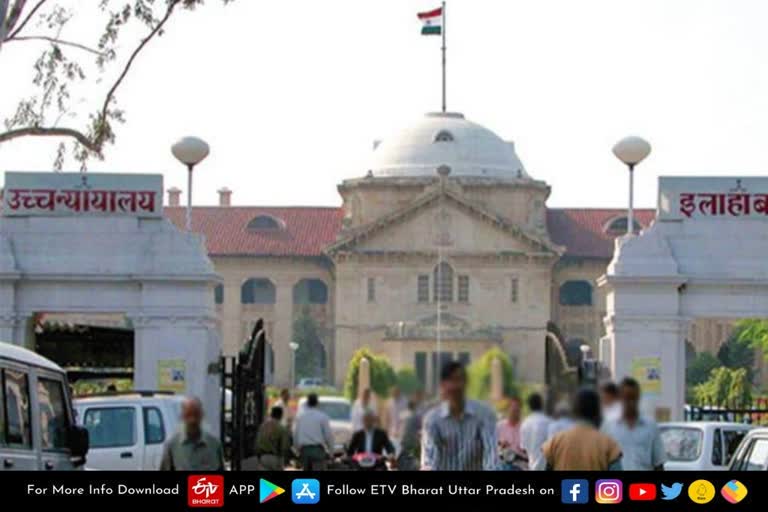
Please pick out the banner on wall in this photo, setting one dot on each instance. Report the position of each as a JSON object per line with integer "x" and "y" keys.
{"x": 647, "y": 371}
{"x": 171, "y": 375}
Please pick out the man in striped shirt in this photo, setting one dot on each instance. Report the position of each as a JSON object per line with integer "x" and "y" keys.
{"x": 458, "y": 434}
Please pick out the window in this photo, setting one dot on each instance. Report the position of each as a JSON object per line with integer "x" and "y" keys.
{"x": 443, "y": 282}
{"x": 731, "y": 441}
{"x": 423, "y": 288}
{"x": 154, "y": 430}
{"x": 310, "y": 291}
{"x": 444, "y": 136}
{"x": 576, "y": 293}
{"x": 514, "y": 285}
{"x": 18, "y": 428}
{"x": 54, "y": 423}
{"x": 717, "y": 448}
{"x": 264, "y": 223}
{"x": 618, "y": 226}
{"x": 218, "y": 294}
{"x": 257, "y": 291}
{"x": 682, "y": 443}
{"x": 463, "y": 288}
{"x": 757, "y": 460}
{"x": 371, "y": 289}
{"x": 111, "y": 427}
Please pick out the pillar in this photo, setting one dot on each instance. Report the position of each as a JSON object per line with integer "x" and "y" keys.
{"x": 363, "y": 376}
{"x": 283, "y": 331}
{"x": 497, "y": 380}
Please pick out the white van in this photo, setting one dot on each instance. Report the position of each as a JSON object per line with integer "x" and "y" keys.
{"x": 128, "y": 430}
{"x": 37, "y": 423}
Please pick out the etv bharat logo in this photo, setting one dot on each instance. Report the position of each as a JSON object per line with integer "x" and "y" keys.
{"x": 205, "y": 491}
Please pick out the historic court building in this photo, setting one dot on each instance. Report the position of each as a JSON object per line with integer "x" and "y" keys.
{"x": 478, "y": 236}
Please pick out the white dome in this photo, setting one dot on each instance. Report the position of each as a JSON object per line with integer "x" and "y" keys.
{"x": 446, "y": 138}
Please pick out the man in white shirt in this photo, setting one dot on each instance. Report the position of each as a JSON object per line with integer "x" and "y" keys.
{"x": 533, "y": 431}
{"x": 312, "y": 436}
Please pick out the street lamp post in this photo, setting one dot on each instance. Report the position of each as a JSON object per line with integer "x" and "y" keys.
{"x": 631, "y": 150}
{"x": 294, "y": 347}
{"x": 190, "y": 151}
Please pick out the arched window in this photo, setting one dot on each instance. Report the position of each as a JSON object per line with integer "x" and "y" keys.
{"x": 618, "y": 226}
{"x": 443, "y": 282}
{"x": 265, "y": 223}
{"x": 257, "y": 291}
{"x": 310, "y": 291}
{"x": 444, "y": 136}
{"x": 576, "y": 293}
{"x": 218, "y": 294}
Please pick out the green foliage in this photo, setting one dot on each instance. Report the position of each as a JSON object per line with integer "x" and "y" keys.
{"x": 407, "y": 381}
{"x": 725, "y": 386}
{"x": 383, "y": 376}
{"x": 479, "y": 375}
{"x": 310, "y": 354}
{"x": 700, "y": 368}
{"x": 753, "y": 332}
{"x": 738, "y": 352}
{"x": 90, "y": 387}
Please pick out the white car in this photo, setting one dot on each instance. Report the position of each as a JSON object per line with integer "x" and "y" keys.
{"x": 701, "y": 445}
{"x": 339, "y": 410}
{"x": 128, "y": 430}
{"x": 752, "y": 454}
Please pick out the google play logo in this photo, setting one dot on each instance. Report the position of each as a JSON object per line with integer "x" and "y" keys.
{"x": 268, "y": 490}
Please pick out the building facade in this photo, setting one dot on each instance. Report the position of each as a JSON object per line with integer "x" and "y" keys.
{"x": 446, "y": 236}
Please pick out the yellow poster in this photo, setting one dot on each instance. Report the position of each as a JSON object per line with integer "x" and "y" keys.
{"x": 171, "y": 375}
{"x": 647, "y": 371}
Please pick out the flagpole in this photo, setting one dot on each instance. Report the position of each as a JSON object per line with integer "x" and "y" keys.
{"x": 443, "y": 51}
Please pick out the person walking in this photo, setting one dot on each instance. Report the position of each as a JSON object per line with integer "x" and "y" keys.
{"x": 458, "y": 434}
{"x": 273, "y": 442}
{"x": 610, "y": 401}
{"x": 561, "y": 420}
{"x": 639, "y": 437}
{"x": 508, "y": 430}
{"x": 284, "y": 402}
{"x": 192, "y": 448}
{"x": 582, "y": 447}
{"x": 312, "y": 436}
{"x": 533, "y": 431}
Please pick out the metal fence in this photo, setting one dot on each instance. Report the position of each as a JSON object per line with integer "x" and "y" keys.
{"x": 751, "y": 413}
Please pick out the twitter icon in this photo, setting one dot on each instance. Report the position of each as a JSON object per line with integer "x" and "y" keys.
{"x": 671, "y": 492}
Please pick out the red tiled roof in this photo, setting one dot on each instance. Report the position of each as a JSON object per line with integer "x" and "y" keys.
{"x": 582, "y": 230}
{"x": 307, "y": 230}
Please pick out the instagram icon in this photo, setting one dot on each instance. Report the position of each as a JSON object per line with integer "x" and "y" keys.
{"x": 608, "y": 492}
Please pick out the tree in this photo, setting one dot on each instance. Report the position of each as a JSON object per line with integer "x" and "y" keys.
{"x": 725, "y": 387}
{"x": 408, "y": 381}
{"x": 479, "y": 375}
{"x": 382, "y": 374}
{"x": 700, "y": 368}
{"x": 310, "y": 356}
{"x": 738, "y": 352}
{"x": 754, "y": 332}
{"x": 98, "y": 53}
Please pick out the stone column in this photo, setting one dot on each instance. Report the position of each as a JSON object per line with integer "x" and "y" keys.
{"x": 497, "y": 380}
{"x": 16, "y": 328}
{"x": 283, "y": 331}
{"x": 363, "y": 376}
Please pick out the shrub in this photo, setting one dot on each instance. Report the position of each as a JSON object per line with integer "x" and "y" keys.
{"x": 382, "y": 374}
{"x": 479, "y": 374}
{"x": 407, "y": 381}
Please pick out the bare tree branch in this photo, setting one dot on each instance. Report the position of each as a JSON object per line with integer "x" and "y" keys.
{"x": 15, "y": 14}
{"x": 55, "y": 40}
{"x": 37, "y": 131}
{"x": 102, "y": 133}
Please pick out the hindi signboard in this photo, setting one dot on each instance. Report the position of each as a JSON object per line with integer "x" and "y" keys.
{"x": 38, "y": 194}
{"x": 682, "y": 198}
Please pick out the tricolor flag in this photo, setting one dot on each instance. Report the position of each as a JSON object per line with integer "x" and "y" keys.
{"x": 433, "y": 22}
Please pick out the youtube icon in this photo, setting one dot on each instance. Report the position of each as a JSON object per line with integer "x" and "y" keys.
{"x": 642, "y": 492}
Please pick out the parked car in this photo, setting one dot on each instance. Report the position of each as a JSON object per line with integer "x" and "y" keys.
{"x": 128, "y": 429}
{"x": 752, "y": 454}
{"x": 701, "y": 445}
{"x": 310, "y": 382}
{"x": 339, "y": 410}
{"x": 39, "y": 431}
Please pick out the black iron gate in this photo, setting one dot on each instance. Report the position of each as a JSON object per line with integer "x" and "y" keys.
{"x": 754, "y": 412}
{"x": 243, "y": 396}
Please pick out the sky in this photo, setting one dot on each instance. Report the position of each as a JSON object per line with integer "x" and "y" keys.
{"x": 291, "y": 95}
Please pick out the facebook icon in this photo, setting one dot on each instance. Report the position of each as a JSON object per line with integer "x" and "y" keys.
{"x": 575, "y": 492}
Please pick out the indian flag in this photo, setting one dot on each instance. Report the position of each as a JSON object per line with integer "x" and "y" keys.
{"x": 433, "y": 22}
